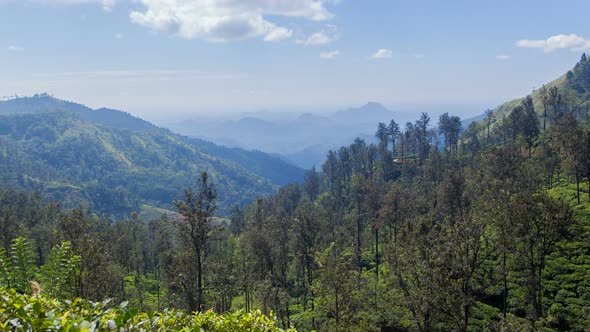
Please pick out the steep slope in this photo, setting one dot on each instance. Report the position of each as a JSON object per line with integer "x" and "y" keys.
{"x": 96, "y": 160}
{"x": 112, "y": 171}
{"x": 573, "y": 85}
{"x": 270, "y": 167}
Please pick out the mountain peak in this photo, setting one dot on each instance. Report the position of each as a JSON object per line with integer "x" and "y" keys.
{"x": 372, "y": 108}
{"x": 373, "y": 105}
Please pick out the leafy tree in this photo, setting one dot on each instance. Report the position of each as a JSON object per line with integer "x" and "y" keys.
{"x": 540, "y": 222}
{"x": 237, "y": 221}
{"x": 334, "y": 289}
{"x": 450, "y": 128}
{"x": 311, "y": 184}
{"x": 573, "y": 142}
{"x": 556, "y": 100}
{"x": 422, "y": 139}
{"x": 394, "y": 132}
{"x": 530, "y": 127}
{"x": 307, "y": 235}
{"x": 382, "y": 135}
{"x": 197, "y": 209}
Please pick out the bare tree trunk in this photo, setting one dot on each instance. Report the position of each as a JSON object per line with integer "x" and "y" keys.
{"x": 199, "y": 281}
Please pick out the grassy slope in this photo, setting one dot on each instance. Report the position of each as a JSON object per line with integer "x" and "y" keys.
{"x": 576, "y": 90}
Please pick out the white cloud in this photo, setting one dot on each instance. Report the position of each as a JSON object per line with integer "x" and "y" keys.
{"x": 572, "y": 42}
{"x": 503, "y": 57}
{"x": 583, "y": 48}
{"x": 224, "y": 20}
{"x": 15, "y": 48}
{"x": 326, "y": 36}
{"x": 119, "y": 36}
{"x": 278, "y": 34}
{"x": 382, "y": 54}
{"x": 329, "y": 54}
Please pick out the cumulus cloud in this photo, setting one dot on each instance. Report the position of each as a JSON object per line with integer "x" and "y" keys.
{"x": 278, "y": 34}
{"x": 15, "y": 48}
{"x": 326, "y": 36}
{"x": 224, "y": 20}
{"x": 572, "y": 42}
{"x": 382, "y": 54}
{"x": 329, "y": 54}
{"x": 503, "y": 57}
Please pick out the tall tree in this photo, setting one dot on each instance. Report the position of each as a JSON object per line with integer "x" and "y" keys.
{"x": 394, "y": 132}
{"x": 530, "y": 126}
{"x": 382, "y": 135}
{"x": 311, "y": 184}
{"x": 556, "y": 100}
{"x": 450, "y": 128}
{"x": 197, "y": 208}
{"x": 540, "y": 221}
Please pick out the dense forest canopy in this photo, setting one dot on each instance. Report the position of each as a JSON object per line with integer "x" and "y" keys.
{"x": 434, "y": 228}
{"x": 114, "y": 163}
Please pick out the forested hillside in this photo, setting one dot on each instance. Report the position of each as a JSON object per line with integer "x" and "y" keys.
{"x": 491, "y": 232}
{"x": 115, "y": 163}
{"x": 570, "y": 92}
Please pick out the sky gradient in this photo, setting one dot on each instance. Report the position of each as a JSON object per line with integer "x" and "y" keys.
{"x": 168, "y": 58}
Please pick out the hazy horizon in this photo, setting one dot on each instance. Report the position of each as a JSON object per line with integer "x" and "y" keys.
{"x": 172, "y": 59}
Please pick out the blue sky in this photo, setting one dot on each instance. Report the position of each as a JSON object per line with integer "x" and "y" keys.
{"x": 165, "y": 58}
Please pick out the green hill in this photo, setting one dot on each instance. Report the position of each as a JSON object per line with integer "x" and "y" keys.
{"x": 574, "y": 87}
{"x": 115, "y": 163}
{"x": 42, "y": 103}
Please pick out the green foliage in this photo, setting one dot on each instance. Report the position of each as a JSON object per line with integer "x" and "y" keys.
{"x": 60, "y": 270}
{"x": 24, "y": 313}
{"x": 115, "y": 171}
{"x": 23, "y": 264}
{"x": 488, "y": 234}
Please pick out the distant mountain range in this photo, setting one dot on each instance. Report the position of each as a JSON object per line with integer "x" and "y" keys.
{"x": 116, "y": 163}
{"x": 304, "y": 140}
